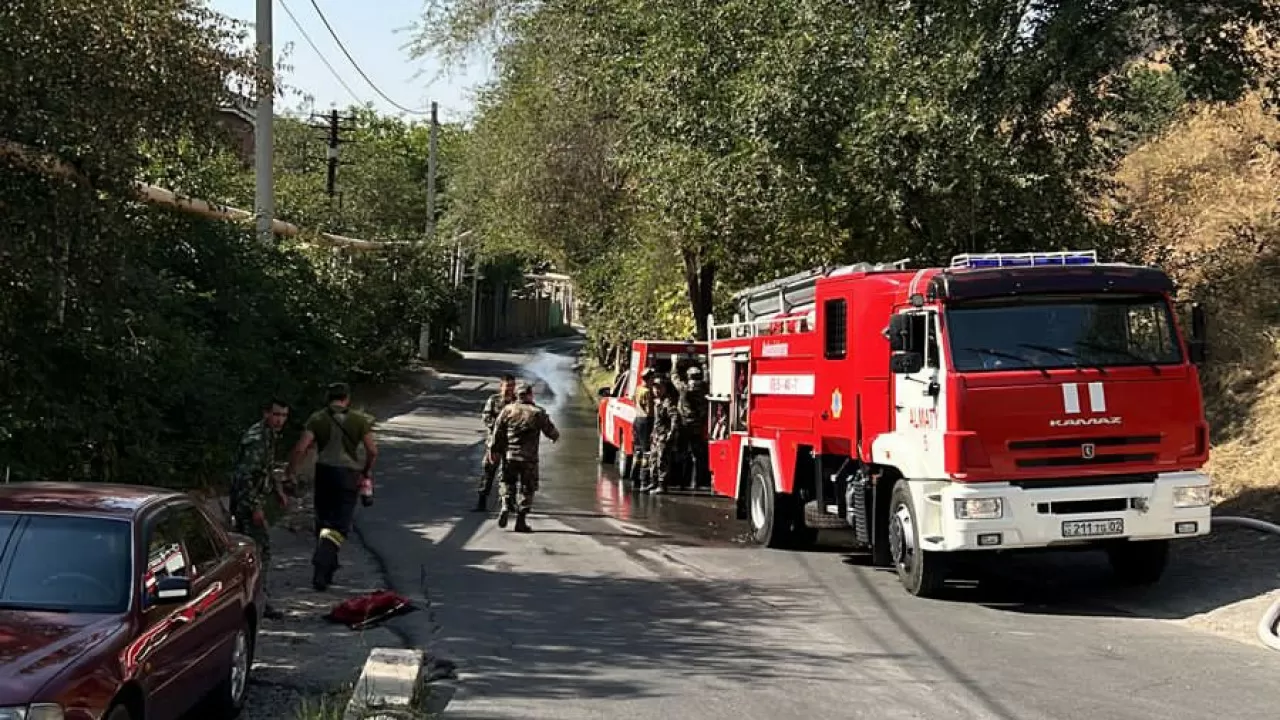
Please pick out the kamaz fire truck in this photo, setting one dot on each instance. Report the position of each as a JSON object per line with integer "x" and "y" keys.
{"x": 1007, "y": 402}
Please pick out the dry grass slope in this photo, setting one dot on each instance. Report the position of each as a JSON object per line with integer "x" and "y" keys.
{"x": 1209, "y": 192}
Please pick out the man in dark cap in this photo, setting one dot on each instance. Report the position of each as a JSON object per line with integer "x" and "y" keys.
{"x": 517, "y": 432}
{"x": 338, "y": 433}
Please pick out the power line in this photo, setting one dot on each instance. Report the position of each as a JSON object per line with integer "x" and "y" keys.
{"x": 356, "y": 65}
{"x": 319, "y": 54}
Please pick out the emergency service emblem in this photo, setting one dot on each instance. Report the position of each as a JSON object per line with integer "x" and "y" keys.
{"x": 837, "y": 403}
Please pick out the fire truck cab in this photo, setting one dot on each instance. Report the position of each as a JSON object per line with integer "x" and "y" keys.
{"x": 616, "y": 413}
{"x": 1007, "y": 402}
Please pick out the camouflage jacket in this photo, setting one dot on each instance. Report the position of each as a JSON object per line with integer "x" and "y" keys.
{"x": 252, "y": 481}
{"x": 492, "y": 408}
{"x": 518, "y": 430}
{"x": 693, "y": 406}
{"x": 665, "y": 417}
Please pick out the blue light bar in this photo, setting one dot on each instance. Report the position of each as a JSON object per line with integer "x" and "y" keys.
{"x": 994, "y": 260}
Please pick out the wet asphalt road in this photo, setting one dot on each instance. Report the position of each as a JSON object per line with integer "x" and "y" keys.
{"x": 626, "y": 606}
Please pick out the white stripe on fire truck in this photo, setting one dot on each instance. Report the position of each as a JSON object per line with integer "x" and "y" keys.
{"x": 1071, "y": 398}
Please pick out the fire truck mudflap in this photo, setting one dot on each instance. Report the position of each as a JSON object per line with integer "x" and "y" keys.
{"x": 1007, "y": 402}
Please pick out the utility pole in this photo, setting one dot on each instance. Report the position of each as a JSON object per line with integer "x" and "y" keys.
{"x": 333, "y": 127}
{"x": 264, "y": 131}
{"x": 431, "y": 174}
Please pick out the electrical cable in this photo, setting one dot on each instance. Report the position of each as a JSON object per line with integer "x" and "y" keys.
{"x": 356, "y": 65}
{"x": 319, "y": 54}
{"x": 1267, "y": 632}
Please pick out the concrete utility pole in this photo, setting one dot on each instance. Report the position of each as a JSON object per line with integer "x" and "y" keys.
{"x": 264, "y": 131}
{"x": 431, "y": 174}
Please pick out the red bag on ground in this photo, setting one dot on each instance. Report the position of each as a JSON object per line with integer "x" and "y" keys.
{"x": 365, "y": 610}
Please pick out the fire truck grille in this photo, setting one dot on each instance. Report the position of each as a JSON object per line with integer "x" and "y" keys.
{"x": 1086, "y": 451}
{"x": 1116, "y": 459}
{"x": 1074, "y": 443}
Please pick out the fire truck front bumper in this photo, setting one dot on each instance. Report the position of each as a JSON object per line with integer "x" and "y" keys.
{"x": 995, "y": 516}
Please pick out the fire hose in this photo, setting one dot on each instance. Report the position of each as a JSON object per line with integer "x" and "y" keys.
{"x": 1267, "y": 632}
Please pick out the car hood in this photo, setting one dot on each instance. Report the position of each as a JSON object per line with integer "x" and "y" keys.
{"x": 36, "y": 646}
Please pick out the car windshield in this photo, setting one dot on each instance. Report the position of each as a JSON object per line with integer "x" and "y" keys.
{"x": 1047, "y": 334}
{"x": 64, "y": 563}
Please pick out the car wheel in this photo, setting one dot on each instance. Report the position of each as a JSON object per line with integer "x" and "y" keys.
{"x": 229, "y": 696}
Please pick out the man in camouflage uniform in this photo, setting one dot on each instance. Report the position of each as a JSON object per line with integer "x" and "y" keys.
{"x": 692, "y": 430}
{"x": 253, "y": 483}
{"x": 662, "y": 437}
{"x": 517, "y": 431}
{"x": 492, "y": 407}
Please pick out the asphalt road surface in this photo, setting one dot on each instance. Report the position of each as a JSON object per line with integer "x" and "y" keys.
{"x": 623, "y": 606}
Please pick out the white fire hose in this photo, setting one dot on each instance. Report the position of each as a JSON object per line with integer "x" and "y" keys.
{"x": 1267, "y": 626}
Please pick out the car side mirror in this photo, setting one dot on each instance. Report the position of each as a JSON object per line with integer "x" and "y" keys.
{"x": 899, "y": 333}
{"x": 1196, "y": 345}
{"x": 604, "y": 392}
{"x": 171, "y": 589}
{"x": 906, "y": 363}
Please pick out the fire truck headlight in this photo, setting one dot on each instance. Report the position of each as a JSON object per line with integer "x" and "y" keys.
{"x": 1191, "y": 496}
{"x": 979, "y": 509}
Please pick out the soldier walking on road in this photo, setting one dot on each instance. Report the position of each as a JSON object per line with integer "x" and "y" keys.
{"x": 253, "y": 483}
{"x": 492, "y": 407}
{"x": 517, "y": 432}
{"x": 662, "y": 441}
{"x": 338, "y": 433}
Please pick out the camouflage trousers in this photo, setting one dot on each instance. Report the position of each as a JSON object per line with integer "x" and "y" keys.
{"x": 661, "y": 456}
{"x": 242, "y": 512}
{"x": 518, "y": 485}
{"x": 485, "y": 486}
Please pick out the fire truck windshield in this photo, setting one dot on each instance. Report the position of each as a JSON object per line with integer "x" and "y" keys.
{"x": 1022, "y": 333}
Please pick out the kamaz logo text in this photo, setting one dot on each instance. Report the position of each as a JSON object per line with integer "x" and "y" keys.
{"x": 1085, "y": 422}
{"x": 1097, "y": 405}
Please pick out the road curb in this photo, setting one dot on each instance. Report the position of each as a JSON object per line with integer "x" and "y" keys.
{"x": 388, "y": 686}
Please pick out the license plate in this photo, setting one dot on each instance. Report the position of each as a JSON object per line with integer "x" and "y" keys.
{"x": 1092, "y": 528}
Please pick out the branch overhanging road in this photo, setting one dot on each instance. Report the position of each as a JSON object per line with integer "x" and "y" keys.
{"x": 637, "y": 607}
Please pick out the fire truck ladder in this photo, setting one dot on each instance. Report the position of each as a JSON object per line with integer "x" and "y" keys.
{"x": 757, "y": 306}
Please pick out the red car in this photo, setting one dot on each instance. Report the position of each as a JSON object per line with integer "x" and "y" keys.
{"x": 123, "y": 603}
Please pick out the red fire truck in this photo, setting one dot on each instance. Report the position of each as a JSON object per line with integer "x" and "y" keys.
{"x": 1007, "y": 402}
{"x": 616, "y": 414}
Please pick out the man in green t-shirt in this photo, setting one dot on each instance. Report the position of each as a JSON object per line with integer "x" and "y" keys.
{"x": 338, "y": 434}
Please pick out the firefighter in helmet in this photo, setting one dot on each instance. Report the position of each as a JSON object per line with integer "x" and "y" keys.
{"x": 693, "y": 410}
{"x": 644, "y": 421}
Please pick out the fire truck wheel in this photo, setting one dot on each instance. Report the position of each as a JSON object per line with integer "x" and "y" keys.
{"x": 606, "y": 453}
{"x": 922, "y": 572}
{"x": 770, "y": 524}
{"x": 1140, "y": 562}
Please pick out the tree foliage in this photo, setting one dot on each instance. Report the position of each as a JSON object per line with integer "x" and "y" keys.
{"x": 138, "y": 342}
{"x": 739, "y": 141}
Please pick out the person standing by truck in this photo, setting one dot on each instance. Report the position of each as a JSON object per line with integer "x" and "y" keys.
{"x": 492, "y": 407}
{"x": 341, "y": 479}
{"x": 692, "y": 441}
{"x": 643, "y": 426}
{"x": 662, "y": 441}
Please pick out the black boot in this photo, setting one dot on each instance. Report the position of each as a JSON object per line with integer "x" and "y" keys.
{"x": 522, "y": 525}
{"x": 482, "y": 502}
{"x": 503, "y": 517}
